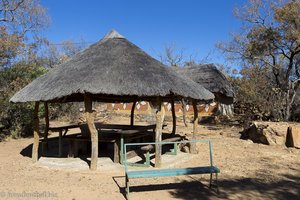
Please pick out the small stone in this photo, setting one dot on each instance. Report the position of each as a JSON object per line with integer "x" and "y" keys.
{"x": 185, "y": 149}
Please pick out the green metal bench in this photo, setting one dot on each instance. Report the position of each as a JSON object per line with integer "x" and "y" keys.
{"x": 172, "y": 171}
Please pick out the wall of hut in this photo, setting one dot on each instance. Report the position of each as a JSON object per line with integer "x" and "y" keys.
{"x": 143, "y": 107}
{"x": 225, "y": 105}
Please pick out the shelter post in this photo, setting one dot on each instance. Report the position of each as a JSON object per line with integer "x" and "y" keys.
{"x": 46, "y": 120}
{"x": 132, "y": 113}
{"x": 173, "y": 117}
{"x": 46, "y": 132}
{"x": 160, "y": 114}
{"x": 93, "y": 131}
{"x": 183, "y": 103}
{"x": 36, "y": 137}
{"x": 195, "y": 127}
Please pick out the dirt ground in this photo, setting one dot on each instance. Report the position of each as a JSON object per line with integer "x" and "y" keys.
{"x": 248, "y": 171}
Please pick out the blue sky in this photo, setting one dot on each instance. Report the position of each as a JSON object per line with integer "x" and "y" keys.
{"x": 192, "y": 25}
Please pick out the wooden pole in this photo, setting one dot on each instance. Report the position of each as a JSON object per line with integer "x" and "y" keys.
{"x": 183, "y": 103}
{"x": 132, "y": 114}
{"x": 158, "y": 131}
{"x": 94, "y": 134}
{"x": 195, "y": 127}
{"x": 174, "y": 117}
{"x": 46, "y": 133}
{"x": 46, "y": 120}
{"x": 36, "y": 137}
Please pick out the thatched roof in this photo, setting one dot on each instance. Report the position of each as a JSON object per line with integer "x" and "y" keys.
{"x": 110, "y": 69}
{"x": 208, "y": 76}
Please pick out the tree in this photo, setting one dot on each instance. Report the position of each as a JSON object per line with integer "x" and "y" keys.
{"x": 10, "y": 46}
{"x": 171, "y": 56}
{"x": 21, "y": 22}
{"x": 270, "y": 40}
{"x": 17, "y": 118}
{"x": 8, "y": 10}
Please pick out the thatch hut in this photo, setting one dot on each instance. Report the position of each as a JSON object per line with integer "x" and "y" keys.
{"x": 215, "y": 81}
{"x": 111, "y": 70}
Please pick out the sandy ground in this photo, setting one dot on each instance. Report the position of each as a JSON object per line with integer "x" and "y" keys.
{"x": 248, "y": 171}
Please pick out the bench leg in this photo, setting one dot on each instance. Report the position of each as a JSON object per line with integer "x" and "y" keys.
{"x": 116, "y": 153}
{"x": 147, "y": 163}
{"x": 127, "y": 186}
{"x": 210, "y": 181}
{"x": 71, "y": 150}
{"x": 217, "y": 183}
{"x": 175, "y": 149}
{"x": 121, "y": 150}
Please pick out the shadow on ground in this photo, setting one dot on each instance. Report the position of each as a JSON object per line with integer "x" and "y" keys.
{"x": 246, "y": 188}
{"x": 51, "y": 151}
{"x": 27, "y": 151}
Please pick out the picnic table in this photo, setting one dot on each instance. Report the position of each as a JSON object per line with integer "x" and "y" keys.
{"x": 117, "y": 134}
{"x": 111, "y": 133}
{"x": 62, "y": 131}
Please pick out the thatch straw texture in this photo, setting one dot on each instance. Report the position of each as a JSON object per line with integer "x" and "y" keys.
{"x": 110, "y": 69}
{"x": 208, "y": 76}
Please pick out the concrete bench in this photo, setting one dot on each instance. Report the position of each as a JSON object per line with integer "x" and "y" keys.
{"x": 150, "y": 147}
{"x": 210, "y": 169}
{"x": 76, "y": 142}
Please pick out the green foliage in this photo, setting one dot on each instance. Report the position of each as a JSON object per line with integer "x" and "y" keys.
{"x": 10, "y": 44}
{"x": 269, "y": 42}
{"x": 17, "y": 118}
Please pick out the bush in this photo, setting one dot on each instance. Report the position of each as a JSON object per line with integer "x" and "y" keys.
{"x": 16, "y": 119}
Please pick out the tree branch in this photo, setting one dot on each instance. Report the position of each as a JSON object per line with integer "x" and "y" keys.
{"x": 7, "y": 8}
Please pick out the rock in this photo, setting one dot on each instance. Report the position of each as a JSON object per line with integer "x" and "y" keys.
{"x": 185, "y": 149}
{"x": 262, "y": 133}
{"x": 293, "y": 137}
{"x": 249, "y": 141}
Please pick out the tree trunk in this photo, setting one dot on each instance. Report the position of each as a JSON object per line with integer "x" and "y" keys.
{"x": 289, "y": 100}
{"x": 288, "y": 110}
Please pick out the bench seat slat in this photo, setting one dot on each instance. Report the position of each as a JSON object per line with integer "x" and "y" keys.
{"x": 172, "y": 172}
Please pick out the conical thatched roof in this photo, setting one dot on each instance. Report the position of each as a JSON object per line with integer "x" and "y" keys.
{"x": 110, "y": 69}
{"x": 208, "y": 76}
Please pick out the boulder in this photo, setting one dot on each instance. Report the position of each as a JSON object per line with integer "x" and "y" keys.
{"x": 263, "y": 133}
{"x": 293, "y": 137}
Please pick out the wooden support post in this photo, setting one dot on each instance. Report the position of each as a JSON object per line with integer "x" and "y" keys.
{"x": 46, "y": 120}
{"x": 132, "y": 114}
{"x": 116, "y": 152}
{"x": 36, "y": 137}
{"x": 160, "y": 113}
{"x": 174, "y": 117}
{"x": 94, "y": 134}
{"x": 195, "y": 127}
{"x": 183, "y": 103}
{"x": 46, "y": 133}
